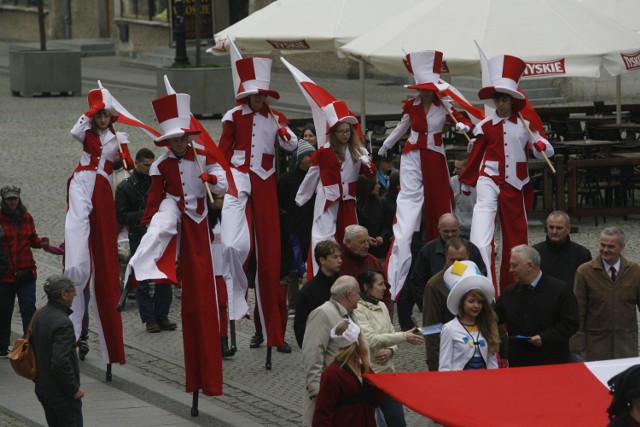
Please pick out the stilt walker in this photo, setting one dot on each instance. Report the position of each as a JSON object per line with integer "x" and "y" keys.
{"x": 179, "y": 229}
{"x": 250, "y": 137}
{"x": 91, "y": 249}
{"x": 335, "y": 167}
{"x": 424, "y": 174}
{"x": 498, "y": 166}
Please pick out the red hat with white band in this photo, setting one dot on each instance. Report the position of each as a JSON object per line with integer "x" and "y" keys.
{"x": 174, "y": 116}
{"x": 425, "y": 67}
{"x": 255, "y": 76}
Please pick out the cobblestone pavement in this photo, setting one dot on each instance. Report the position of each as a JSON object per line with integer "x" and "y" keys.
{"x": 38, "y": 155}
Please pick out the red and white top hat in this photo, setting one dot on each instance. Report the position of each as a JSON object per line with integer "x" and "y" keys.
{"x": 174, "y": 115}
{"x": 338, "y": 112}
{"x": 102, "y": 97}
{"x": 255, "y": 76}
{"x": 505, "y": 72}
{"x": 425, "y": 67}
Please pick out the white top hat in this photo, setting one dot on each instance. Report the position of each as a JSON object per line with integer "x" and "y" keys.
{"x": 348, "y": 337}
{"x": 462, "y": 277}
{"x": 425, "y": 67}
{"x": 255, "y": 76}
{"x": 505, "y": 72}
{"x": 174, "y": 115}
{"x": 338, "y": 112}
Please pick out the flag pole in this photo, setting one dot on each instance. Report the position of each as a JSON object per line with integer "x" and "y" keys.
{"x": 446, "y": 107}
{"x": 113, "y": 129}
{"x": 206, "y": 187}
{"x": 533, "y": 138}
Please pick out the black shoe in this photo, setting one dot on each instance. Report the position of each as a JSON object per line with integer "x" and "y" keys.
{"x": 4, "y": 354}
{"x": 83, "y": 349}
{"x": 224, "y": 345}
{"x": 284, "y": 348}
{"x": 256, "y": 340}
{"x": 167, "y": 325}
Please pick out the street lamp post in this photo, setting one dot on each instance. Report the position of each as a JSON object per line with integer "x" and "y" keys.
{"x": 179, "y": 35}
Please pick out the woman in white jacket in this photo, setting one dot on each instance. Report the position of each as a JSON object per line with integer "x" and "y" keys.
{"x": 375, "y": 324}
{"x": 470, "y": 341}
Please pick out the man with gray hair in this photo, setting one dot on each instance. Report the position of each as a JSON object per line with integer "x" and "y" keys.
{"x": 356, "y": 257}
{"x": 54, "y": 344}
{"x": 541, "y": 312}
{"x": 559, "y": 256}
{"x": 608, "y": 292}
{"x": 317, "y": 347}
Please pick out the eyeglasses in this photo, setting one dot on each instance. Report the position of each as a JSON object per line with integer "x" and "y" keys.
{"x": 343, "y": 132}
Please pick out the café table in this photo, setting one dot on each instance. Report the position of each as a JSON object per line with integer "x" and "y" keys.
{"x": 585, "y": 146}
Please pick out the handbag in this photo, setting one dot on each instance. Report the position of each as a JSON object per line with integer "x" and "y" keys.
{"x": 22, "y": 357}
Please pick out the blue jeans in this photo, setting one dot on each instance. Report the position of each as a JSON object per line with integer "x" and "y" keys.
{"x": 26, "y": 293}
{"x": 393, "y": 412}
{"x": 156, "y": 308}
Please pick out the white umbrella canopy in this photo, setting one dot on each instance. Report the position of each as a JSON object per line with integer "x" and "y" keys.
{"x": 296, "y": 26}
{"x": 556, "y": 37}
{"x": 627, "y": 12}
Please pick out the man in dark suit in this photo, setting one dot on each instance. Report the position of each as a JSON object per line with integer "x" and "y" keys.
{"x": 541, "y": 312}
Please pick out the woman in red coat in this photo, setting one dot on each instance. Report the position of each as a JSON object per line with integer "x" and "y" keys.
{"x": 19, "y": 235}
{"x": 344, "y": 398}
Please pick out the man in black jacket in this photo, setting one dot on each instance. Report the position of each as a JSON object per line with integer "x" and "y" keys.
{"x": 317, "y": 291}
{"x": 559, "y": 256}
{"x": 54, "y": 344}
{"x": 154, "y": 299}
{"x": 540, "y": 311}
{"x": 431, "y": 258}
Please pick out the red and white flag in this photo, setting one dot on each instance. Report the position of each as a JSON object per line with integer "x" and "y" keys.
{"x": 573, "y": 394}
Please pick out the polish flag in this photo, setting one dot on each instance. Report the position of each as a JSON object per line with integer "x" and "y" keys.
{"x": 574, "y": 394}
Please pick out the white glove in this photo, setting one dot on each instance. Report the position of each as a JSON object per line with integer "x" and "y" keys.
{"x": 365, "y": 160}
{"x": 461, "y": 127}
{"x": 382, "y": 151}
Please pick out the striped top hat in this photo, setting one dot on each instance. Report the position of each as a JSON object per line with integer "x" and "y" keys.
{"x": 425, "y": 67}
{"x": 505, "y": 72}
{"x": 462, "y": 277}
{"x": 255, "y": 75}
{"x": 338, "y": 112}
{"x": 174, "y": 115}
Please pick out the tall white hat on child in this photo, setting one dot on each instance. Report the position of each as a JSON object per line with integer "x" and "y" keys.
{"x": 173, "y": 112}
{"x": 426, "y": 66}
{"x": 505, "y": 72}
{"x": 462, "y": 277}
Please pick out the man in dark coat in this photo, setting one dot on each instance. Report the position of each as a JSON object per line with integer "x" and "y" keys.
{"x": 317, "y": 291}
{"x": 559, "y": 256}
{"x": 54, "y": 344}
{"x": 431, "y": 258}
{"x": 541, "y": 312}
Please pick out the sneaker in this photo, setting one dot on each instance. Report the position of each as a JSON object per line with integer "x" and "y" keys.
{"x": 167, "y": 325}
{"x": 83, "y": 349}
{"x": 284, "y": 348}
{"x": 292, "y": 312}
{"x": 256, "y": 340}
{"x": 153, "y": 327}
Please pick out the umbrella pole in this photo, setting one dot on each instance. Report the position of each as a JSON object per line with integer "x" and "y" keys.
{"x": 363, "y": 113}
{"x": 619, "y": 99}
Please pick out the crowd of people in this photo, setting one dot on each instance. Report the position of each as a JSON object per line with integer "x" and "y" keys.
{"x": 365, "y": 237}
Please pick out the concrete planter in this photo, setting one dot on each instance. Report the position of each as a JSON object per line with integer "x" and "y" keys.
{"x": 50, "y": 72}
{"x": 211, "y": 89}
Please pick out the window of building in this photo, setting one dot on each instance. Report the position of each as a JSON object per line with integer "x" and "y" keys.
{"x": 149, "y": 10}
